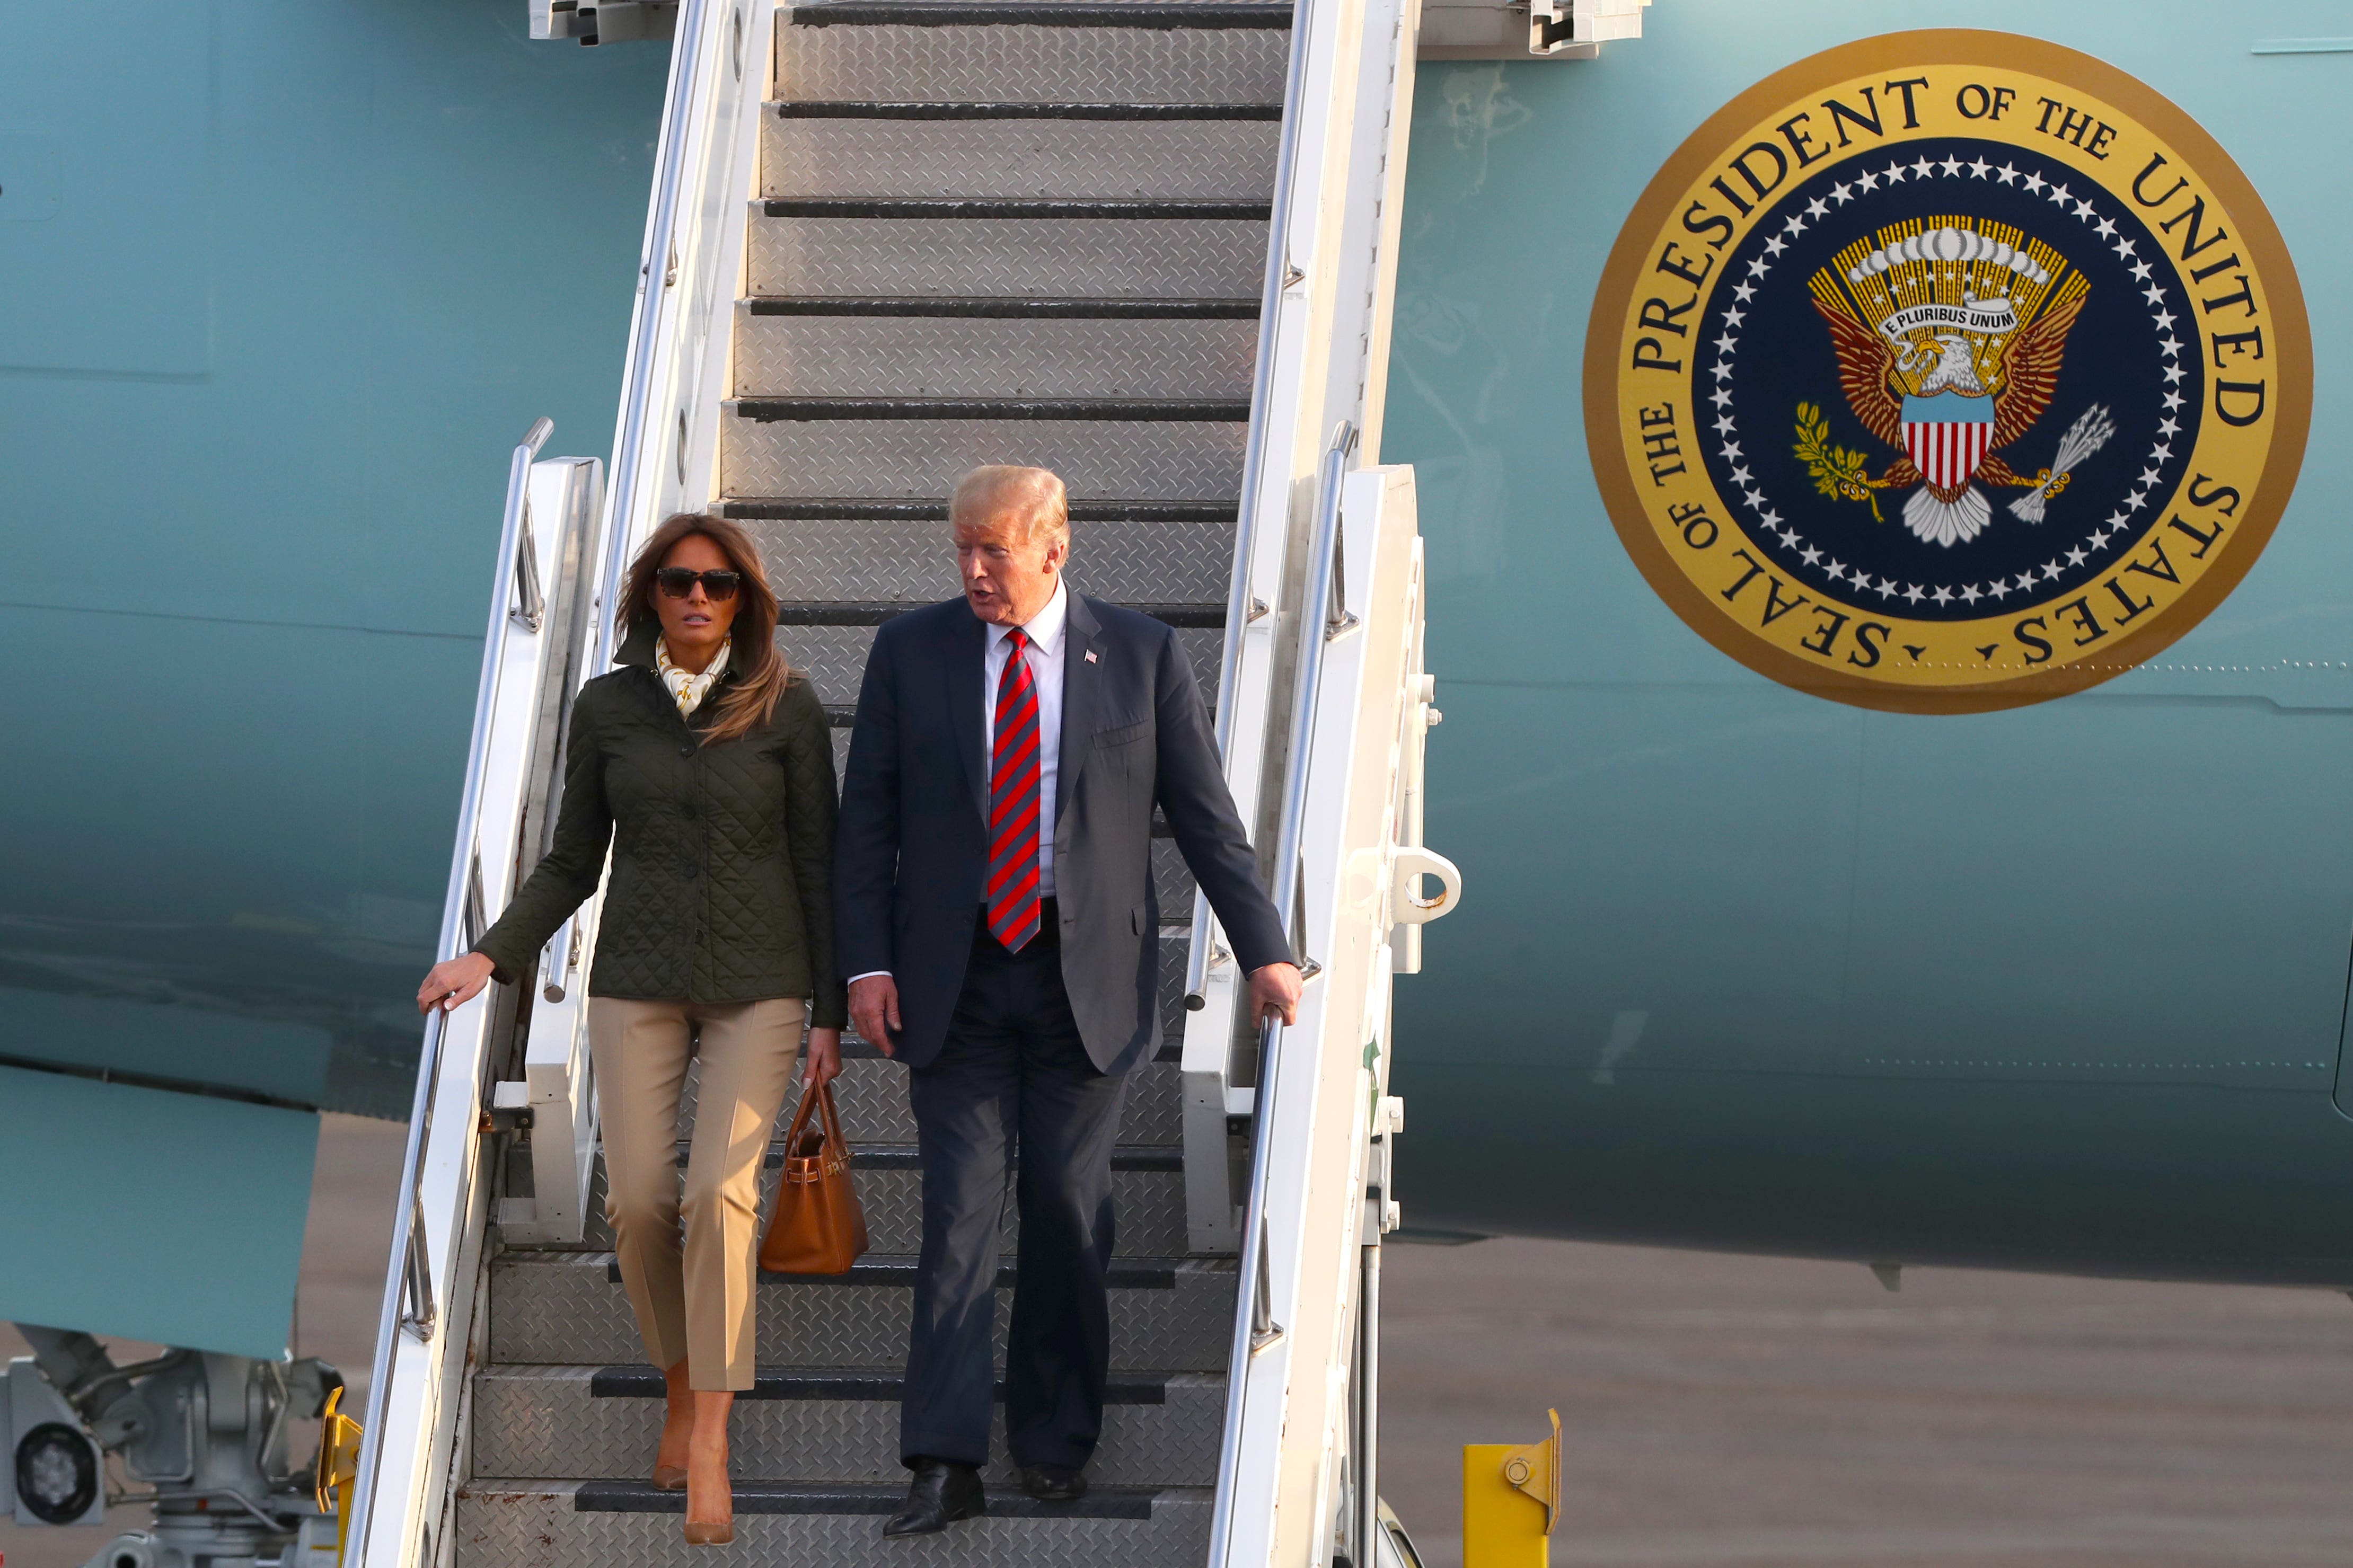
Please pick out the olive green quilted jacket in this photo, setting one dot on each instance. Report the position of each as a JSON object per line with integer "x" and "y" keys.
{"x": 722, "y": 885}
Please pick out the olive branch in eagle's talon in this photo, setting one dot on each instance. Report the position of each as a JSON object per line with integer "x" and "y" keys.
{"x": 1838, "y": 472}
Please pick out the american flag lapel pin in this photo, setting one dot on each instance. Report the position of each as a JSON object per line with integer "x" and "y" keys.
{"x": 1091, "y": 656}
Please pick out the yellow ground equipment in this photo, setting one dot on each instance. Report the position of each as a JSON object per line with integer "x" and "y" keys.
{"x": 339, "y": 1461}
{"x": 1511, "y": 1501}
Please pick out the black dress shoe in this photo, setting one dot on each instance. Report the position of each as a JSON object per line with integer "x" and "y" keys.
{"x": 1053, "y": 1483}
{"x": 941, "y": 1492}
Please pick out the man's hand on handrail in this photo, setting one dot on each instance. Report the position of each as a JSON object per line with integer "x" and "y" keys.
{"x": 1274, "y": 993}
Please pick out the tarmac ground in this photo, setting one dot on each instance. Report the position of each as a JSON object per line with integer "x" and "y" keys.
{"x": 1725, "y": 1411}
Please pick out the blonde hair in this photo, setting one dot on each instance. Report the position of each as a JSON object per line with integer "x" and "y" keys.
{"x": 762, "y": 673}
{"x": 1037, "y": 494}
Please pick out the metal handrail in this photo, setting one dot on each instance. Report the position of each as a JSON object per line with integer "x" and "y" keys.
{"x": 657, "y": 273}
{"x": 531, "y": 605}
{"x": 410, "y": 1268}
{"x": 1254, "y": 1327}
{"x": 1312, "y": 641}
{"x": 1254, "y": 448}
{"x": 1368, "y": 1404}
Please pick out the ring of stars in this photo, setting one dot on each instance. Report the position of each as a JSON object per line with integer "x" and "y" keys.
{"x": 2119, "y": 526}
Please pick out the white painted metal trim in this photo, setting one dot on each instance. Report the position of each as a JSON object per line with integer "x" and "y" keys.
{"x": 1324, "y": 361}
{"x": 558, "y": 1082}
{"x": 404, "y": 1462}
{"x": 1284, "y": 1470}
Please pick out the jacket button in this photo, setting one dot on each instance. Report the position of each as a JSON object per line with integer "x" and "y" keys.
{"x": 693, "y": 872}
{"x": 686, "y": 751}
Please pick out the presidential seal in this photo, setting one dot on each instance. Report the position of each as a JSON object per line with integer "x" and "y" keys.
{"x": 1945, "y": 372}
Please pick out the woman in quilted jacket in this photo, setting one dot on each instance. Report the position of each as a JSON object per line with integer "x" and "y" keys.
{"x": 706, "y": 764}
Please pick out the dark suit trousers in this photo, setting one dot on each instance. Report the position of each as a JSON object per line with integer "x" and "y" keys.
{"x": 1013, "y": 1077}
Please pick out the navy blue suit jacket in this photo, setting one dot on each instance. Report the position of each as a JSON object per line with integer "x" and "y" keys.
{"x": 911, "y": 845}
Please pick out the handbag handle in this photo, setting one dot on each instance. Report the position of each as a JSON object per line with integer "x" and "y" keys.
{"x": 817, "y": 1098}
{"x": 833, "y": 1137}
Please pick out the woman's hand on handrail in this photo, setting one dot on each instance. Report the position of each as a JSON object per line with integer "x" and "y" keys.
{"x": 453, "y": 982}
{"x": 824, "y": 1064}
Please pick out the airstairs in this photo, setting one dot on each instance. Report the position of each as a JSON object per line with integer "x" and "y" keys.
{"x": 1146, "y": 243}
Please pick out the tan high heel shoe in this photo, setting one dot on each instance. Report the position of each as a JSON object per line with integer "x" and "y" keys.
{"x": 710, "y": 1531}
{"x": 670, "y": 1478}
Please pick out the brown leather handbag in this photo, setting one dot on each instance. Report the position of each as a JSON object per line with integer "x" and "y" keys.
{"x": 817, "y": 1227}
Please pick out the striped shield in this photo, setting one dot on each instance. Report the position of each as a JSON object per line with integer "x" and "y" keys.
{"x": 1946, "y": 435}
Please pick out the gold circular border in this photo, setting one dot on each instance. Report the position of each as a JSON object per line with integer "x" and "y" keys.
{"x": 1888, "y": 51}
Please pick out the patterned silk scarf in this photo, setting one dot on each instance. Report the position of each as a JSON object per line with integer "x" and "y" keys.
{"x": 689, "y": 688}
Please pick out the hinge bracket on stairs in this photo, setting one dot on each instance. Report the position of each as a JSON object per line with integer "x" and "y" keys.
{"x": 1265, "y": 1332}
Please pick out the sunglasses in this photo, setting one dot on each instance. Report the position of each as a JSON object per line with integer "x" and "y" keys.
{"x": 677, "y": 582}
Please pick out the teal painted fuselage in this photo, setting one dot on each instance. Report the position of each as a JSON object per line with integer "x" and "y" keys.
{"x": 2061, "y": 986}
{"x": 290, "y": 282}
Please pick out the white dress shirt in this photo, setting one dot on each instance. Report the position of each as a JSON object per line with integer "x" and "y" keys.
{"x": 1045, "y": 656}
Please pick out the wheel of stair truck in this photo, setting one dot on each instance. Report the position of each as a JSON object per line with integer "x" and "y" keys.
{"x": 57, "y": 1474}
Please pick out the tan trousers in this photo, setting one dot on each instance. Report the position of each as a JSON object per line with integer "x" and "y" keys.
{"x": 696, "y": 1307}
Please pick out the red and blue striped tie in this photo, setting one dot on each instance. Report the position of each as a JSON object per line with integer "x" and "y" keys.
{"x": 1013, "y": 776}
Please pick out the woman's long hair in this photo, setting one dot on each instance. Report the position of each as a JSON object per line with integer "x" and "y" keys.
{"x": 761, "y": 672}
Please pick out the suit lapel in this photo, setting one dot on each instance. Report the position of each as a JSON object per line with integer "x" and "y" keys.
{"x": 967, "y": 672}
{"x": 1082, "y": 705}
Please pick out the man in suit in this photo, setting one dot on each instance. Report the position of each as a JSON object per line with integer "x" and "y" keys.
{"x": 994, "y": 911}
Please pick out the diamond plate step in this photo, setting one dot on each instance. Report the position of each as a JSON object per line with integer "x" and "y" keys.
{"x": 967, "y": 160}
{"x": 1052, "y": 307}
{"x": 1162, "y": 15}
{"x": 871, "y": 1095}
{"x": 826, "y": 1427}
{"x": 1175, "y": 932}
{"x": 833, "y": 658}
{"x": 556, "y": 1307}
{"x": 871, "y": 1092}
{"x": 607, "y": 1524}
{"x": 1110, "y": 255}
{"x": 806, "y": 508}
{"x": 912, "y": 559}
{"x": 912, "y": 356}
{"x": 921, "y": 459}
{"x": 1147, "y": 1194}
{"x": 1018, "y": 108}
{"x": 867, "y": 612}
{"x": 1033, "y": 62}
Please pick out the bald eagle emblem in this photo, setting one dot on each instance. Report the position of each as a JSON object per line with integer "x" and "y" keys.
{"x": 1949, "y": 335}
